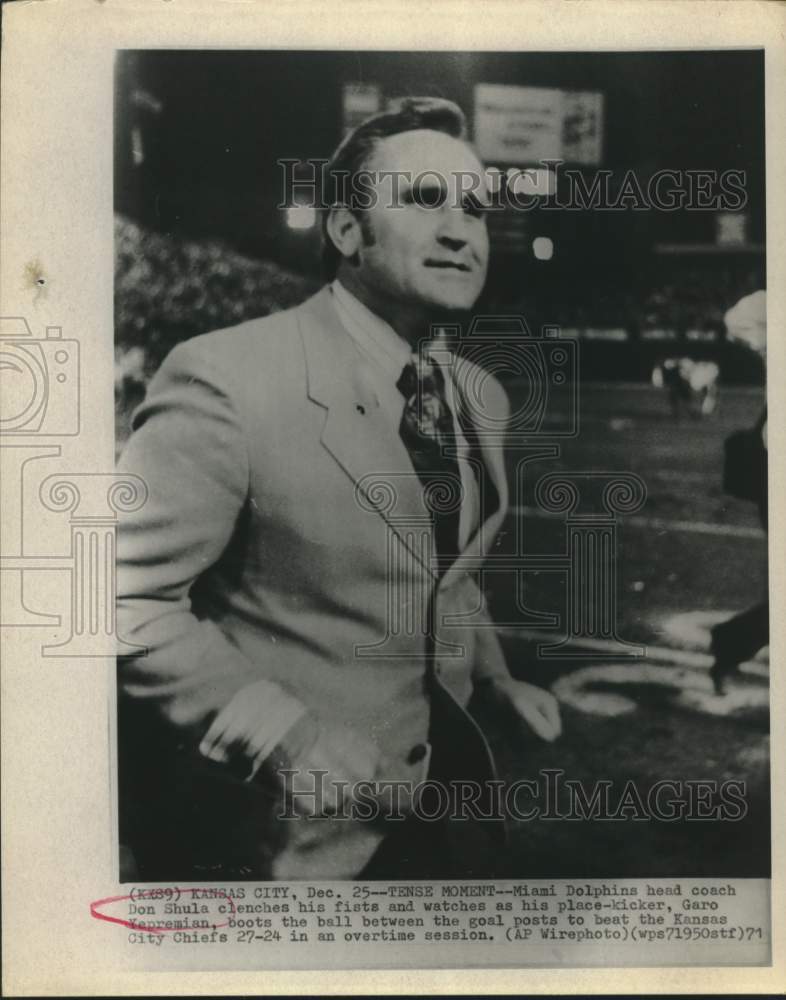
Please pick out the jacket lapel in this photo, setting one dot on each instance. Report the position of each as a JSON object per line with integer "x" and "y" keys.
{"x": 493, "y": 493}
{"x": 357, "y": 431}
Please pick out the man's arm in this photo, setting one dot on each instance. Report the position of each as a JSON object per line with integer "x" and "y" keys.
{"x": 190, "y": 450}
{"x": 536, "y": 707}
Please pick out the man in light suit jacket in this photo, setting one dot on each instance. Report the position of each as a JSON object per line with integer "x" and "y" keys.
{"x": 301, "y": 631}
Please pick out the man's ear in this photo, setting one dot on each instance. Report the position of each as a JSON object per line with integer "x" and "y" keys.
{"x": 345, "y": 232}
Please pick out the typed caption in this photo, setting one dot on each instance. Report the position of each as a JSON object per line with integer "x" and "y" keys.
{"x": 626, "y": 922}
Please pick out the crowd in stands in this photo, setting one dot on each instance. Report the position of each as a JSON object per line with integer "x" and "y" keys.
{"x": 168, "y": 289}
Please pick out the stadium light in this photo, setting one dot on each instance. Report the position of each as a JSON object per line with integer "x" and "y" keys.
{"x": 301, "y": 217}
{"x": 543, "y": 248}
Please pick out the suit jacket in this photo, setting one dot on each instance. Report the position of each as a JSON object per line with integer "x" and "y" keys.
{"x": 282, "y": 553}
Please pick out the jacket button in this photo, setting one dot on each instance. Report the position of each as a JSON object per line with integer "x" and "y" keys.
{"x": 417, "y": 753}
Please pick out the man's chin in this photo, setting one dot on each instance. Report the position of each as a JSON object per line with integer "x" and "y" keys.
{"x": 443, "y": 303}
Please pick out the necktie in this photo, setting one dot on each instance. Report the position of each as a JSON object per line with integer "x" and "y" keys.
{"x": 428, "y": 433}
{"x": 458, "y": 750}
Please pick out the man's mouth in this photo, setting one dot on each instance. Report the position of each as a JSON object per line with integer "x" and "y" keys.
{"x": 453, "y": 265}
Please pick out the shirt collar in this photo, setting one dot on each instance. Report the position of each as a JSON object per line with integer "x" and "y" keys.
{"x": 373, "y": 335}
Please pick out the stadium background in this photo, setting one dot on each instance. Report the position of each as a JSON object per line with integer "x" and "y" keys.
{"x": 202, "y": 243}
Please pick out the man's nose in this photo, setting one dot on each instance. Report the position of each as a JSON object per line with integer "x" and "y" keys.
{"x": 452, "y": 228}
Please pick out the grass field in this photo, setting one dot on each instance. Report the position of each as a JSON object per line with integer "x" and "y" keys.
{"x": 689, "y": 549}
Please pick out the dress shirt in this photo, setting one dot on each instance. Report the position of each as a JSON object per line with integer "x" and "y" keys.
{"x": 388, "y": 353}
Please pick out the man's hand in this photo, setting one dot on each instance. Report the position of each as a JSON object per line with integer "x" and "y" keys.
{"x": 310, "y": 748}
{"x": 534, "y": 706}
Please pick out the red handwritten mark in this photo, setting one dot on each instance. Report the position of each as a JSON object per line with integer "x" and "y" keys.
{"x": 152, "y": 894}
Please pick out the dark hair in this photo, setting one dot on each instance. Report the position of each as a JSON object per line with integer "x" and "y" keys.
{"x": 355, "y": 150}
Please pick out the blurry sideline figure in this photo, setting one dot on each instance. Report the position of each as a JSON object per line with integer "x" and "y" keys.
{"x": 692, "y": 385}
{"x": 745, "y": 476}
{"x": 293, "y": 622}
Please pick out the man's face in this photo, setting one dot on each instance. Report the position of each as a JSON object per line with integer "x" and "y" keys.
{"x": 425, "y": 242}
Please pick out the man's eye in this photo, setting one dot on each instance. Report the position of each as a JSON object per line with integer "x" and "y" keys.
{"x": 426, "y": 196}
{"x": 474, "y": 207}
